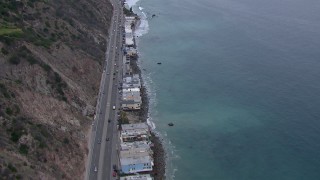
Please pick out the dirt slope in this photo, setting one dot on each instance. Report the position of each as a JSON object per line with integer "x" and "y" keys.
{"x": 50, "y": 66}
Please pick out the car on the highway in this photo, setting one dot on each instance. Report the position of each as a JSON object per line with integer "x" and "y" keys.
{"x": 95, "y": 169}
{"x": 99, "y": 141}
{"x": 109, "y": 120}
{"x": 115, "y": 168}
{"x": 107, "y": 139}
{"x": 114, "y": 174}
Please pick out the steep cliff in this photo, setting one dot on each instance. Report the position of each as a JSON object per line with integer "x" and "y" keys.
{"x": 51, "y": 59}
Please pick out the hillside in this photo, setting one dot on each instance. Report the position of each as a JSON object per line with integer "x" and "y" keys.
{"x": 50, "y": 66}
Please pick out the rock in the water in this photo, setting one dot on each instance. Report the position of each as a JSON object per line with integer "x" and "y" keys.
{"x": 170, "y": 124}
{"x": 159, "y": 63}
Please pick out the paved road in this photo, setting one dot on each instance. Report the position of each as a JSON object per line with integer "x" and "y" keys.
{"x": 104, "y": 140}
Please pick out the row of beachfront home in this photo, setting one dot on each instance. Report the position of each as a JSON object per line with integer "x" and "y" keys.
{"x": 135, "y": 153}
{"x": 131, "y": 85}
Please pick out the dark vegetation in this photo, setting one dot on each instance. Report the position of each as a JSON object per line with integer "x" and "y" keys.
{"x": 128, "y": 12}
{"x": 123, "y": 119}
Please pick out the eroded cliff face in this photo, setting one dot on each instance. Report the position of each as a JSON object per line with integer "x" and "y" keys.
{"x": 50, "y": 67}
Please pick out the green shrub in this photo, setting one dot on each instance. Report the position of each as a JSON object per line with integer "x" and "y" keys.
{"x": 123, "y": 118}
{"x": 24, "y": 149}
{"x": 46, "y": 67}
{"x": 7, "y": 40}
{"x": 31, "y": 36}
{"x": 9, "y": 111}
{"x": 12, "y": 168}
{"x": 10, "y": 31}
{"x": 4, "y": 91}
{"x": 32, "y": 60}
{"x": 14, "y": 60}
{"x": 64, "y": 99}
{"x": 57, "y": 77}
{"x": 18, "y": 176}
{"x": 66, "y": 140}
{"x": 15, "y": 135}
{"x": 42, "y": 145}
{"x": 18, "y": 81}
{"x": 47, "y": 24}
{"x": 4, "y": 51}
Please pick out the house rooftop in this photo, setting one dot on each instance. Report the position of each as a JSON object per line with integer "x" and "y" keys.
{"x": 138, "y": 152}
{"x": 136, "y": 160}
{"x": 135, "y": 144}
{"x": 137, "y": 177}
{"x": 135, "y": 126}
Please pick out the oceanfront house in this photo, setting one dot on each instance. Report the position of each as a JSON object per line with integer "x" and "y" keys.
{"x": 131, "y": 52}
{"x": 137, "y": 177}
{"x": 134, "y": 132}
{"x": 130, "y": 105}
{"x": 142, "y": 126}
{"x": 131, "y": 81}
{"x": 131, "y": 96}
{"x": 129, "y": 39}
{"x": 136, "y": 152}
{"x": 135, "y": 149}
{"x": 135, "y": 144}
{"x": 131, "y": 100}
{"x": 131, "y": 165}
{"x": 126, "y": 66}
{"x": 134, "y": 135}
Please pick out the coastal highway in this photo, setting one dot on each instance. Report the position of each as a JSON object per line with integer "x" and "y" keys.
{"x": 104, "y": 140}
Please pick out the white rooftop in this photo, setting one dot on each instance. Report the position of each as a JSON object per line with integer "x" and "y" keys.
{"x": 135, "y": 126}
{"x": 137, "y": 177}
{"x": 136, "y": 160}
{"x": 135, "y": 144}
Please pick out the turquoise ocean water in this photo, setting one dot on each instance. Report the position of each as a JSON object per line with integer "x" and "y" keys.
{"x": 240, "y": 79}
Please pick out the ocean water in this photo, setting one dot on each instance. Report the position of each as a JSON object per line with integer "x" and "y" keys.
{"x": 240, "y": 80}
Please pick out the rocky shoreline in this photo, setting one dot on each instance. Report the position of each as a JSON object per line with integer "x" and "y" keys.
{"x": 157, "y": 148}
